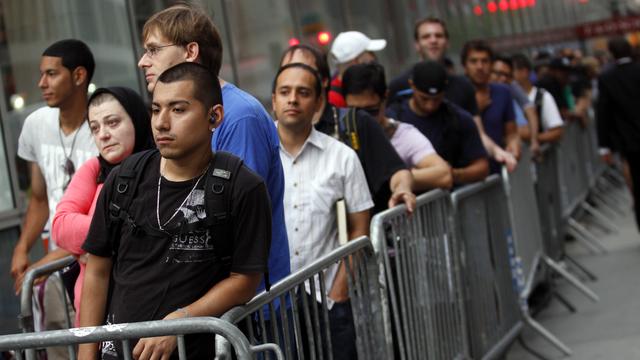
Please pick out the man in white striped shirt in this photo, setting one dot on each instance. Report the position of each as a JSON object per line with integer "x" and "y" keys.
{"x": 319, "y": 171}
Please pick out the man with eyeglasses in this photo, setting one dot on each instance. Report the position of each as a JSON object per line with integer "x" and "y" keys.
{"x": 55, "y": 140}
{"x": 184, "y": 33}
{"x": 527, "y": 115}
{"x": 450, "y": 129}
{"x": 364, "y": 86}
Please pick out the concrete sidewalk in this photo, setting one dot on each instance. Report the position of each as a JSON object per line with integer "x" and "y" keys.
{"x": 609, "y": 329}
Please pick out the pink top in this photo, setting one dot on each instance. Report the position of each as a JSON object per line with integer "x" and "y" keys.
{"x": 73, "y": 217}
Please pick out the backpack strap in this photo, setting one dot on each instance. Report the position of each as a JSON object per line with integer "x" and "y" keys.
{"x": 125, "y": 186}
{"x": 348, "y": 129}
{"x": 219, "y": 185}
{"x": 538, "y": 102}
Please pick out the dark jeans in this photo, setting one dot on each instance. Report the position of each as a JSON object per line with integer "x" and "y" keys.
{"x": 341, "y": 330}
{"x": 633, "y": 159}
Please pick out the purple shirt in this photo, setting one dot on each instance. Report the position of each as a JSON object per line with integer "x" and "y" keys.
{"x": 410, "y": 144}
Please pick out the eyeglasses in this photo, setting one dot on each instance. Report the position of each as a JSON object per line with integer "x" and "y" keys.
{"x": 502, "y": 73}
{"x": 154, "y": 50}
{"x": 69, "y": 169}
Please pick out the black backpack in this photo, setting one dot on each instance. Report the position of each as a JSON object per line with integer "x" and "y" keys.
{"x": 218, "y": 185}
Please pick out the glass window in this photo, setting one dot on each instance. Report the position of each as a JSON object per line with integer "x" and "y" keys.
{"x": 28, "y": 27}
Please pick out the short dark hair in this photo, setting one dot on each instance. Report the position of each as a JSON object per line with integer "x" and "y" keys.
{"x": 184, "y": 23}
{"x": 504, "y": 59}
{"x": 314, "y": 72}
{"x": 475, "y": 45}
{"x": 429, "y": 20}
{"x": 319, "y": 57}
{"x": 74, "y": 53}
{"x": 206, "y": 85}
{"x": 362, "y": 77}
{"x": 521, "y": 61}
{"x": 619, "y": 47}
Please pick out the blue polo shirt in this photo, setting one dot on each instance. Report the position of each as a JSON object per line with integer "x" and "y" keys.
{"x": 249, "y": 133}
{"x": 498, "y": 113}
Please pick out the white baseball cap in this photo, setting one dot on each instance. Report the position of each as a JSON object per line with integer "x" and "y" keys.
{"x": 349, "y": 45}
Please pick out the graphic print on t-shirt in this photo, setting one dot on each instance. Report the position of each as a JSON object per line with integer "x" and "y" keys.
{"x": 192, "y": 246}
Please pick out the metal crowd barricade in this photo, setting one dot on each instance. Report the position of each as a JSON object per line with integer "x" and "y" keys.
{"x": 26, "y": 319}
{"x": 528, "y": 249}
{"x": 126, "y": 332}
{"x": 422, "y": 266}
{"x": 550, "y": 202}
{"x": 303, "y": 330}
{"x": 482, "y": 222}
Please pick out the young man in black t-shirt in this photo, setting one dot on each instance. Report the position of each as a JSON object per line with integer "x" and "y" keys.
{"x": 170, "y": 264}
{"x": 450, "y": 129}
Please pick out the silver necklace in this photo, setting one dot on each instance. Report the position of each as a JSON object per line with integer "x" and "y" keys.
{"x": 161, "y": 226}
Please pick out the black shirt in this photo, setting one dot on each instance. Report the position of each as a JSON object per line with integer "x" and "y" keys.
{"x": 451, "y": 130}
{"x": 460, "y": 91}
{"x": 378, "y": 157}
{"x": 156, "y": 273}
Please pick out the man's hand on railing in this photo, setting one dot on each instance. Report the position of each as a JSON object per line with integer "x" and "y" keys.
{"x": 19, "y": 262}
{"x": 403, "y": 197}
{"x": 506, "y": 158}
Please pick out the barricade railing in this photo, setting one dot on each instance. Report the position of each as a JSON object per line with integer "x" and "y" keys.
{"x": 492, "y": 309}
{"x": 550, "y": 202}
{"x": 132, "y": 331}
{"x": 527, "y": 253}
{"x": 422, "y": 266}
{"x": 302, "y": 331}
{"x": 26, "y": 320}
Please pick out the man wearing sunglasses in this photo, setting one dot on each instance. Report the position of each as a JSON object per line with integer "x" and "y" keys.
{"x": 364, "y": 87}
{"x": 55, "y": 140}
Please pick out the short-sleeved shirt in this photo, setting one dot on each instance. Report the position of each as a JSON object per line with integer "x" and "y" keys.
{"x": 411, "y": 144}
{"x": 498, "y": 113}
{"x": 323, "y": 172}
{"x": 459, "y": 91}
{"x": 378, "y": 157}
{"x": 249, "y": 133}
{"x": 41, "y": 141}
{"x": 156, "y": 272}
{"x": 549, "y": 114}
{"x": 521, "y": 119}
{"x": 519, "y": 95}
{"x": 451, "y": 130}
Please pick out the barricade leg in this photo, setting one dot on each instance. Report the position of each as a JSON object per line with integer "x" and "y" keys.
{"x": 606, "y": 205}
{"x": 581, "y": 233}
{"x": 570, "y": 278}
{"x": 564, "y": 301}
{"x": 600, "y": 217}
{"x": 546, "y": 334}
{"x": 581, "y": 267}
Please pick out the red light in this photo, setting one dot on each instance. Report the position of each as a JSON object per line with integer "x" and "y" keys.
{"x": 513, "y": 5}
{"x": 583, "y": 1}
{"x": 477, "y": 10}
{"x": 324, "y": 38}
{"x": 492, "y": 7}
{"x": 523, "y": 3}
{"x": 294, "y": 41}
{"x": 532, "y": 3}
{"x": 504, "y": 5}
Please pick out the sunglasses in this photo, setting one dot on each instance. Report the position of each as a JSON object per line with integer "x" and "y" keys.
{"x": 69, "y": 169}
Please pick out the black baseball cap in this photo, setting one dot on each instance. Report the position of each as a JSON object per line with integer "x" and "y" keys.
{"x": 430, "y": 77}
{"x": 560, "y": 63}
